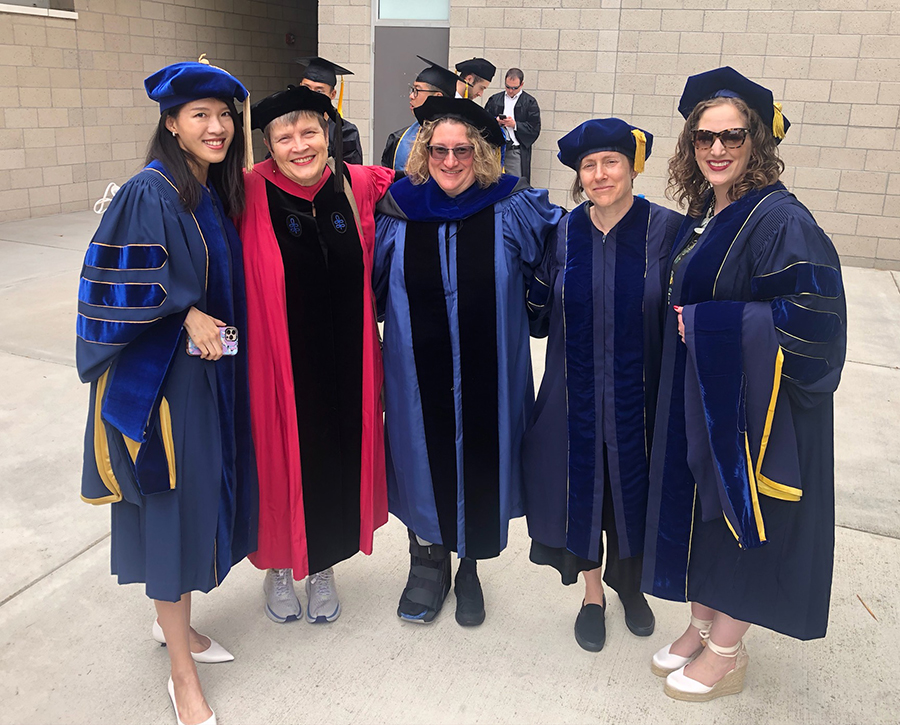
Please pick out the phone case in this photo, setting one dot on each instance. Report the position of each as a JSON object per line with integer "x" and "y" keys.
{"x": 229, "y": 337}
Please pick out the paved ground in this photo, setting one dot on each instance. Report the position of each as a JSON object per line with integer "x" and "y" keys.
{"x": 75, "y": 647}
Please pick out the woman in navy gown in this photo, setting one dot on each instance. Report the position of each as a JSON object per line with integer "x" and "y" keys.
{"x": 599, "y": 295}
{"x": 168, "y": 435}
{"x": 741, "y": 511}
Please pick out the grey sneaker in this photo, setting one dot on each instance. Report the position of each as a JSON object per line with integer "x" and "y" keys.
{"x": 282, "y": 604}
{"x": 322, "y": 599}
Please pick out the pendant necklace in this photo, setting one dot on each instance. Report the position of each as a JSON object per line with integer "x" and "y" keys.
{"x": 703, "y": 222}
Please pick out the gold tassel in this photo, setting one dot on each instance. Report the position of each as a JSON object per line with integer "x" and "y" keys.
{"x": 341, "y": 98}
{"x": 778, "y": 123}
{"x": 248, "y": 136}
{"x": 640, "y": 149}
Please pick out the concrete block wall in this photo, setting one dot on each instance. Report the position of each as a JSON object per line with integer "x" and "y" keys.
{"x": 74, "y": 114}
{"x": 345, "y": 37}
{"x": 835, "y": 65}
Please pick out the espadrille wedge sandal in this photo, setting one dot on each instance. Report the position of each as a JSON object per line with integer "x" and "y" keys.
{"x": 664, "y": 661}
{"x": 681, "y": 687}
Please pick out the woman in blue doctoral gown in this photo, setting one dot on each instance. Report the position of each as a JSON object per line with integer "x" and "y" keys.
{"x": 599, "y": 294}
{"x": 456, "y": 243}
{"x": 741, "y": 513}
{"x": 168, "y": 436}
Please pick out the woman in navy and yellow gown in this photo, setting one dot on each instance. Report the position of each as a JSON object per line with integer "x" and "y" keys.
{"x": 599, "y": 294}
{"x": 168, "y": 436}
{"x": 741, "y": 511}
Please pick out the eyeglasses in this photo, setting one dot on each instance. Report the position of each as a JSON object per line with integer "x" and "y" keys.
{"x": 513, "y": 88}
{"x": 462, "y": 153}
{"x": 731, "y": 138}
{"x": 414, "y": 92}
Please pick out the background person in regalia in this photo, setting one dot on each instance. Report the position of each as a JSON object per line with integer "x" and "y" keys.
{"x": 741, "y": 511}
{"x": 168, "y": 437}
{"x": 586, "y": 451}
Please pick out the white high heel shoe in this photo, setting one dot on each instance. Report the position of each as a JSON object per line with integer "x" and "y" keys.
{"x": 213, "y": 654}
{"x": 211, "y": 720}
{"x": 664, "y": 662}
{"x": 681, "y": 687}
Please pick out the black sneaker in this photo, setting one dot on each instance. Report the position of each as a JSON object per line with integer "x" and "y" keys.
{"x": 638, "y": 615}
{"x": 590, "y": 627}
{"x": 428, "y": 583}
{"x": 469, "y": 597}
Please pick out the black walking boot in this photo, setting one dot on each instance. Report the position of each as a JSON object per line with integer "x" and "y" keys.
{"x": 428, "y": 583}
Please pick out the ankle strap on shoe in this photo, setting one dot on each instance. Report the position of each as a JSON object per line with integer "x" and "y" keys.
{"x": 703, "y": 625}
{"x": 725, "y": 651}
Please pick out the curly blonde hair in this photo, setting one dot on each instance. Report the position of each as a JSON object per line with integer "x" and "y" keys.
{"x": 688, "y": 186}
{"x": 487, "y": 158}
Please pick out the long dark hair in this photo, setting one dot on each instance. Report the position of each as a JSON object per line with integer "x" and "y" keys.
{"x": 226, "y": 177}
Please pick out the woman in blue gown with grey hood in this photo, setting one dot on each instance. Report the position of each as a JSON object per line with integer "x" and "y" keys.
{"x": 740, "y": 518}
{"x": 168, "y": 436}
{"x": 599, "y": 294}
{"x": 456, "y": 243}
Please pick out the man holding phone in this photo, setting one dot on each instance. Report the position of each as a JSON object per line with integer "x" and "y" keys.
{"x": 520, "y": 116}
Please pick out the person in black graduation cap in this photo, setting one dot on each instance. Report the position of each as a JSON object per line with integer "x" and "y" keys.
{"x": 435, "y": 80}
{"x": 456, "y": 242}
{"x": 475, "y": 75}
{"x": 315, "y": 360}
{"x": 740, "y": 518}
{"x": 321, "y": 76}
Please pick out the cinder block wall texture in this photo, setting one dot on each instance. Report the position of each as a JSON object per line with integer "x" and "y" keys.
{"x": 835, "y": 65}
{"x": 74, "y": 115}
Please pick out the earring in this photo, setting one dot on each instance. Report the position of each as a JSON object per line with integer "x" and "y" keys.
{"x": 174, "y": 134}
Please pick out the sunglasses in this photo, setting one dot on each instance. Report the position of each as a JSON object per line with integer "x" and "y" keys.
{"x": 513, "y": 88}
{"x": 731, "y": 138}
{"x": 462, "y": 153}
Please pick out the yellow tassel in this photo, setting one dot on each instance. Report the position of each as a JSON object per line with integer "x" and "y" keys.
{"x": 248, "y": 136}
{"x": 341, "y": 98}
{"x": 640, "y": 149}
{"x": 202, "y": 59}
{"x": 466, "y": 92}
{"x": 778, "y": 123}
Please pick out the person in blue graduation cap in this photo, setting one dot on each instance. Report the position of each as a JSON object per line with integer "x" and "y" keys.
{"x": 456, "y": 242}
{"x": 740, "y": 518}
{"x": 435, "y": 80}
{"x": 599, "y": 295}
{"x": 320, "y": 76}
{"x": 475, "y": 75}
{"x": 168, "y": 440}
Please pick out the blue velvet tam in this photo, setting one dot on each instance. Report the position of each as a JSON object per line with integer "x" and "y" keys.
{"x": 462, "y": 109}
{"x": 605, "y": 134}
{"x": 185, "y": 82}
{"x": 728, "y": 83}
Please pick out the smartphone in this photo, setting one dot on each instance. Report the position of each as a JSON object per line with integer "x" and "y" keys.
{"x": 501, "y": 117}
{"x": 229, "y": 336}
